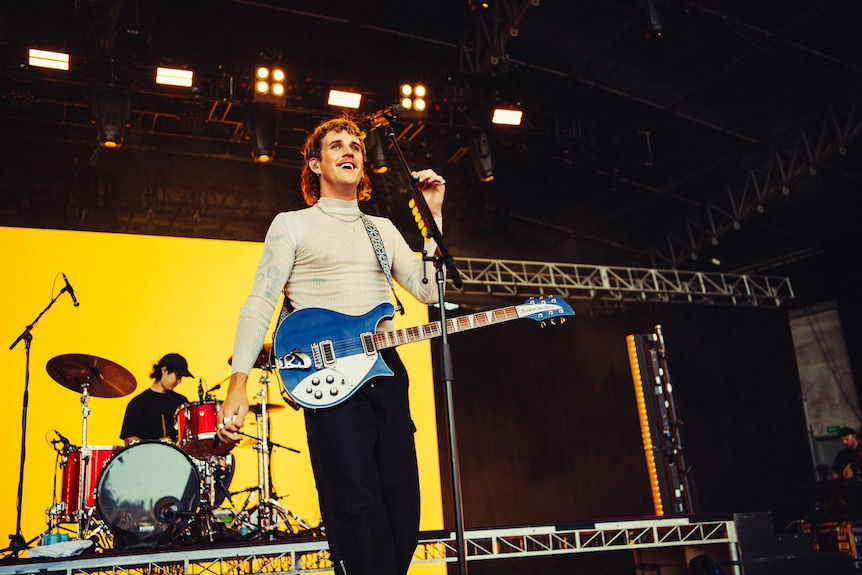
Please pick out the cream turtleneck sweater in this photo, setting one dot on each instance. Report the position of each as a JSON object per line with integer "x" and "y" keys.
{"x": 324, "y": 257}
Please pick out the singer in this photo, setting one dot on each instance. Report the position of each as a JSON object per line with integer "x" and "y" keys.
{"x": 326, "y": 256}
{"x": 150, "y": 414}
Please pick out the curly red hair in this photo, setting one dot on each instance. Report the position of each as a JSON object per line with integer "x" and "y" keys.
{"x": 311, "y": 181}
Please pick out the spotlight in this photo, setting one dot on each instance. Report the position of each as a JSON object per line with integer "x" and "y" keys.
{"x": 483, "y": 160}
{"x": 261, "y": 127}
{"x": 174, "y": 77}
{"x": 48, "y": 59}
{"x": 343, "y": 99}
{"x": 376, "y": 148}
{"x": 111, "y": 110}
{"x": 414, "y": 100}
{"x": 269, "y": 85}
{"x": 507, "y": 117}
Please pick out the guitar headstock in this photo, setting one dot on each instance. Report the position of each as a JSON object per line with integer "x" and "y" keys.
{"x": 547, "y": 310}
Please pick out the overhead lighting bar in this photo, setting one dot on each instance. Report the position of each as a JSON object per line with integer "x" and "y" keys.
{"x": 48, "y": 59}
{"x": 174, "y": 77}
{"x": 507, "y": 117}
{"x": 344, "y": 99}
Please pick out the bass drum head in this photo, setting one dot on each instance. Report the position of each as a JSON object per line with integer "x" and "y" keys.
{"x": 147, "y": 494}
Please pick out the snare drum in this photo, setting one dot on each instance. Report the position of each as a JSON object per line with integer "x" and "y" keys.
{"x": 197, "y": 429}
{"x": 98, "y": 457}
{"x": 148, "y": 493}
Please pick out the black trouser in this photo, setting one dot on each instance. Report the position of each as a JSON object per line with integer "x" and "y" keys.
{"x": 364, "y": 460}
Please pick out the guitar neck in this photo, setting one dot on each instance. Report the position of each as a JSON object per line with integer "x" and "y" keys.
{"x": 384, "y": 340}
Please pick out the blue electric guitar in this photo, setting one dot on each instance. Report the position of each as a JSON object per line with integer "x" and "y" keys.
{"x": 323, "y": 356}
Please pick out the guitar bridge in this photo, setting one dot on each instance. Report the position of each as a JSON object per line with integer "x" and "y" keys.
{"x": 368, "y": 343}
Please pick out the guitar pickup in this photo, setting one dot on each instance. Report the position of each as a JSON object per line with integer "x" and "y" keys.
{"x": 368, "y": 343}
{"x": 327, "y": 353}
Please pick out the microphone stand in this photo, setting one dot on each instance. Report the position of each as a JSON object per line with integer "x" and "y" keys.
{"x": 17, "y": 541}
{"x": 441, "y": 258}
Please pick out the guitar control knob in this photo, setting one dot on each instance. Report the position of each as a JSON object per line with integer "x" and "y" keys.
{"x": 330, "y": 379}
{"x": 315, "y": 381}
{"x": 318, "y": 394}
{"x": 333, "y": 391}
{"x": 308, "y": 390}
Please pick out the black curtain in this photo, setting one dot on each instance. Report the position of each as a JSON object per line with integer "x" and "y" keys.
{"x": 548, "y": 431}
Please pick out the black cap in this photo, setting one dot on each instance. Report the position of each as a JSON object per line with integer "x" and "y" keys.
{"x": 845, "y": 431}
{"x": 176, "y": 364}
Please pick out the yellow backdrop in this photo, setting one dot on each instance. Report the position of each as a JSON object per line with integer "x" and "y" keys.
{"x": 141, "y": 297}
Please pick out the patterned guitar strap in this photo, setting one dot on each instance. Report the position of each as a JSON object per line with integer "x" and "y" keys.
{"x": 377, "y": 244}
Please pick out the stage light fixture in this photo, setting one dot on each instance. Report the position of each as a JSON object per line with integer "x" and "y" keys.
{"x": 111, "y": 109}
{"x": 174, "y": 77}
{"x": 654, "y": 14}
{"x": 507, "y": 117}
{"x": 414, "y": 98}
{"x": 342, "y": 99}
{"x": 269, "y": 85}
{"x": 375, "y": 146}
{"x": 261, "y": 127}
{"x": 47, "y": 59}
{"x": 481, "y": 156}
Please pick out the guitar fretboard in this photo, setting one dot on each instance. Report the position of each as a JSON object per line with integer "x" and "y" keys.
{"x": 427, "y": 331}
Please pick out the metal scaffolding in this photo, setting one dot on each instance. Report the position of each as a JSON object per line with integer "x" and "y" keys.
{"x": 300, "y": 557}
{"x": 509, "y": 278}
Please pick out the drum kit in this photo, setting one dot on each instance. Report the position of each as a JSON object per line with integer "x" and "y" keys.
{"x": 154, "y": 493}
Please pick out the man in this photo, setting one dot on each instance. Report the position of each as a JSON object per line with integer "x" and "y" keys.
{"x": 362, "y": 449}
{"x": 847, "y": 461}
{"x": 150, "y": 415}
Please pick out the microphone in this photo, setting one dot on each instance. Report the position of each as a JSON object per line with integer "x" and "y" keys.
{"x": 383, "y": 116}
{"x": 201, "y": 389}
{"x": 71, "y": 291}
{"x": 62, "y": 438}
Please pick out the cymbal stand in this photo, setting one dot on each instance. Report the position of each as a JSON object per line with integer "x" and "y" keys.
{"x": 85, "y": 458}
{"x": 270, "y": 513}
{"x": 264, "y": 473}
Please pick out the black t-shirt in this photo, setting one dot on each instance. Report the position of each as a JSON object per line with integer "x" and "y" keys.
{"x": 146, "y": 413}
{"x": 848, "y": 463}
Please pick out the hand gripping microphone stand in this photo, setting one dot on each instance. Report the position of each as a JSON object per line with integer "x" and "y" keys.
{"x": 17, "y": 541}
{"x": 440, "y": 258}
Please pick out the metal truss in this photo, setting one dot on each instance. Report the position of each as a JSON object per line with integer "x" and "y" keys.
{"x": 495, "y": 26}
{"x": 289, "y": 558}
{"x": 510, "y": 278}
{"x": 775, "y": 176}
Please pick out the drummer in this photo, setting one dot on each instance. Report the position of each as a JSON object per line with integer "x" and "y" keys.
{"x": 150, "y": 415}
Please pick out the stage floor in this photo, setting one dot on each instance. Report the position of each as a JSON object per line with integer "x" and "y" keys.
{"x": 647, "y": 543}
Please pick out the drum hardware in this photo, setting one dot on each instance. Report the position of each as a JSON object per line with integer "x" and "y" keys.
{"x": 266, "y": 517}
{"x": 97, "y": 377}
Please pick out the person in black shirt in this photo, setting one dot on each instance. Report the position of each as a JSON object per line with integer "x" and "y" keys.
{"x": 848, "y": 462}
{"x": 150, "y": 415}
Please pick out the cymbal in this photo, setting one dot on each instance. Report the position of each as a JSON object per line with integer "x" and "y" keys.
{"x": 102, "y": 377}
{"x": 262, "y": 358}
{"x": 255, "y": 408}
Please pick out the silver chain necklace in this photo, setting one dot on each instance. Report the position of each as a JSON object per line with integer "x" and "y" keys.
{"x": 334, "y": 217}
